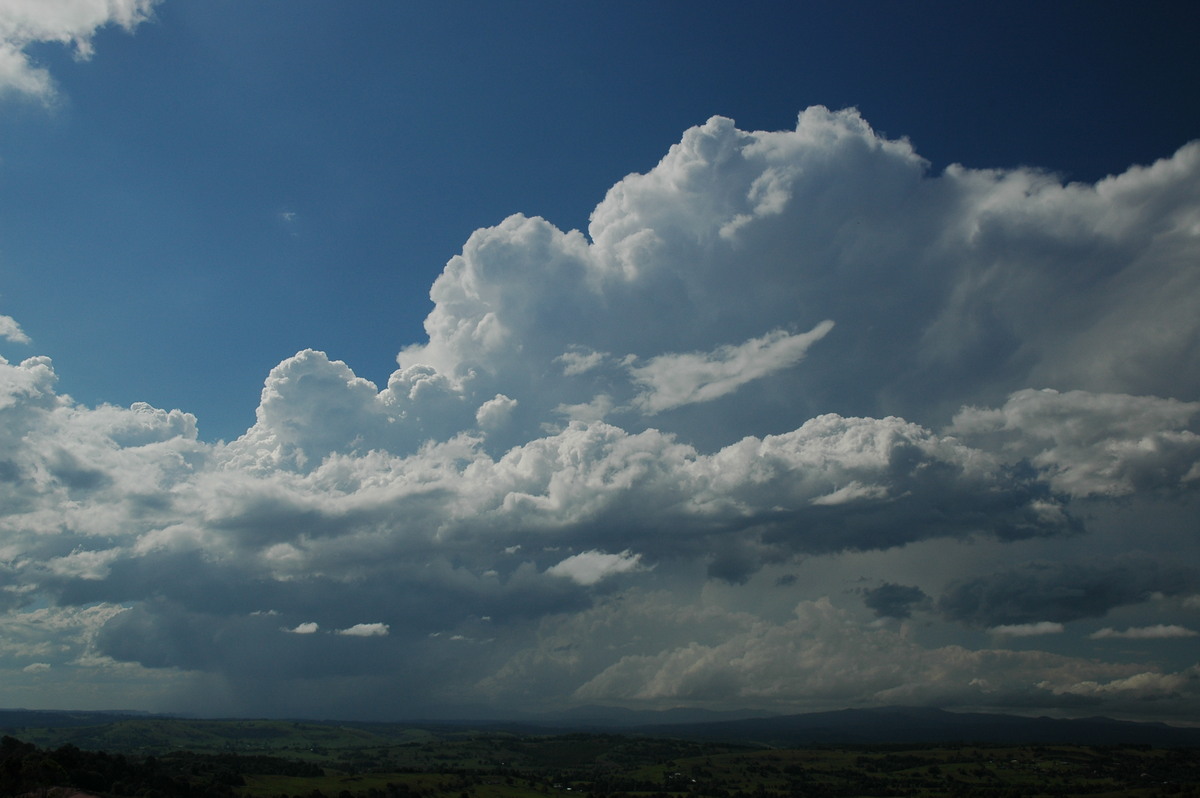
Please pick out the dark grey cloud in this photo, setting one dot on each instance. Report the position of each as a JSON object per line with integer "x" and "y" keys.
{"x": 1062, "y": 591}
{"x": 890, "y": 600}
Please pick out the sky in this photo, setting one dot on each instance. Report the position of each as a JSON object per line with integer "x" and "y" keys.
{"x": 396, "y": 360}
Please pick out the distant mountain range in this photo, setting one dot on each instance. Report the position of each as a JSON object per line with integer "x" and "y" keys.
{"x": 926, "y": 725}
{"x": 888, "y": 725}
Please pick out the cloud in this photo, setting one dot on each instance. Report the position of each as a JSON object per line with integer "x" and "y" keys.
{"x": 365, "y": 630}
{"x": 1028, "y": 629}
{"x": 24, "y": 22}
{"x": 12, "y": 331}
{"x": 893, "y": 601}
{"x": 1093, "y": 444}
{"x": 819, "y": 658}
{"x": 735, "y": 234}
{"x": 1156, "y": 632}
{"x": 65, "y": 635}
{"x": 1058, "y": 592}
{"x": 674, "y": 380}
{"x": 495, "y": 412}
{"x": 1145, "y": 686}
{"x": 590, "y": 567}
{"x": 639, "y": 461}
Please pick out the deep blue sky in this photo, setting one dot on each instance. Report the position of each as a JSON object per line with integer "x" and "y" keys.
{"x": 143, "y": 243}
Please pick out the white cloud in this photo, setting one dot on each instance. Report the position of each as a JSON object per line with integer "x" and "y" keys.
{"x": 70, "y": 22}
{"x": 1156, "y": 632}
{"x": 575, "y": 363}
{"x": 12, "y": 331}
{"x": 1106, "y": 444}
{"x": 596, "y": 410}
{"x": 1028, "y": 629}
{"x": 809, "y": 217}
{"x": 365, "y": 630}
{"x": 84, "y": 564}
{"x": 673, "y": 380}
{"x": 590, "y": 567}
{"x": 1144, "y": 686}
{"x": 53, "y": 635}
{"x": 495, "y": 412}
{"x": 564, "y": 402}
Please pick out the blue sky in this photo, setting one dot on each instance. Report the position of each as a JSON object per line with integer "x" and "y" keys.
{"x": 651, "y": 354}
{"x": 145, "y": 243}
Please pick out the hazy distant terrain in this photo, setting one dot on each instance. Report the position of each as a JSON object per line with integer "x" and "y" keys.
{"x": 151, "y": 734}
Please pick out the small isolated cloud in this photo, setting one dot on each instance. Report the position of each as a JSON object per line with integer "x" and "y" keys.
{"x": 36, "y": 667}
{"x": 304, "y": 629}
{"x": 25, "y": 22}
{"x": 288, "y": 220}
{"x": 365, "y": 630}
{"x": 590, "y": 567}
{"x": 12, "y": 331}
{"x": 1028, "y": 629}
{"x": 1157, "y": 632}
{"x": 674, "y": 380}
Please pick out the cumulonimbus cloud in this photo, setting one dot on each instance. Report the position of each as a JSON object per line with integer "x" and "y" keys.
{"x": 631, "y": 409}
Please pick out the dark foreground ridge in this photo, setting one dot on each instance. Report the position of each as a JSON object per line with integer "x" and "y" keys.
{"x": 911, "y": 752}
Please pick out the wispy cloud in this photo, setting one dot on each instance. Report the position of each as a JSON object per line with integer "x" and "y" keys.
{"x": 365, "y": 630}
{"x": 673, "y": 380}
{"x": 1156, "y": 632}
{"x": 1028, "y": 629}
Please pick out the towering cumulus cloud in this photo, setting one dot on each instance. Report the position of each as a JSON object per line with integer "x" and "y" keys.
{"x": 758, "y": 438}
